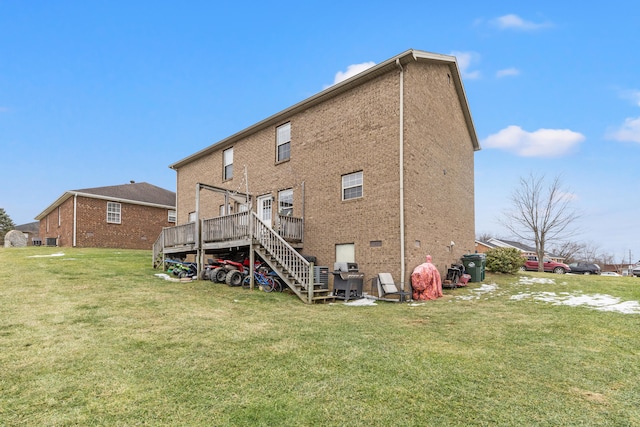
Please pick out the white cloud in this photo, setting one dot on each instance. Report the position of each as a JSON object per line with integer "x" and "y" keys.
{"x": 629, "y": 131}
{"x": 465, "y": 61}
{"x": 562, "y": 195}
{"x": 507, "y": 72}
{"x": 541, "y": 143}
{"x": 632, "y": 95}
{"x": 351, "y": 71}
{"x": 512, "y": 21}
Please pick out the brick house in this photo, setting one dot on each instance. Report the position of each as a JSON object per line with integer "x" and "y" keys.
{"x": 126, "y": 216}
{"x": 379, "y": 169}
{"x": 31, "y": 232}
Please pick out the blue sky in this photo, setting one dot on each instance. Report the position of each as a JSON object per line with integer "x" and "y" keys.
{"x": 96, "y": 93}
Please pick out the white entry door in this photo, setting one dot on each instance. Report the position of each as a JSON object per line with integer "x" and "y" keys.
{"x": 264, "y": 208}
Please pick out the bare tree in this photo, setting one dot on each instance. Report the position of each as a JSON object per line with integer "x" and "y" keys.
{"x": 484, "y": 237}
{"x": 542, "y": 214}
{"x": 589, "y": 252}
{"x": 569, "y": 250}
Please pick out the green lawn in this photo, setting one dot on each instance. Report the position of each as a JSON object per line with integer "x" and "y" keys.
{"x": 92, "y": 337}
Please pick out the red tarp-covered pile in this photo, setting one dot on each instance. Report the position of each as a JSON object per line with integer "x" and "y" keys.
{"x": 426, "y": 281}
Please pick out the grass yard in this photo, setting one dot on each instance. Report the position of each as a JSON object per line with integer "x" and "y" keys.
{"x": 92, "y": 337}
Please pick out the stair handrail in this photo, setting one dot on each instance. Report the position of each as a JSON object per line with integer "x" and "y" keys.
{"x": 290, "y": 259}
{"x": 158, "y": 249}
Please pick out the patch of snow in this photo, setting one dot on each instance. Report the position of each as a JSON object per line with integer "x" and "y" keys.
{"x": 477, "y": 293}
{"x": 46, "y": 256}
{"x": 362, "y": 302}
{"x": 167, "y": 277}
{"x": 596, "y": 301}
{"x": 536, "y": 280}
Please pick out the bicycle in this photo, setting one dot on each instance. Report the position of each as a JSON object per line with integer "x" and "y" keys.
{"x": 261, "y": 280}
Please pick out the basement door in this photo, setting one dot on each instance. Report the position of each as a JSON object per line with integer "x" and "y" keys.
{"x": 264, "y": 208}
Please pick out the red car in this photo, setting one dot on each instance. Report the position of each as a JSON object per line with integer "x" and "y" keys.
{"x": 531, "y": 264}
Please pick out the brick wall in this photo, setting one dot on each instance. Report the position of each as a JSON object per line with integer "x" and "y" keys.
{"x": 358, "y": 130}
{"x": 139, "y": 228}
{"x": 439, "y": 169}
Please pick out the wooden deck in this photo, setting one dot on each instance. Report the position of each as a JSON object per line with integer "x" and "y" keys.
{"x": 224, "y": 232}
{"x": 276, "y": 246}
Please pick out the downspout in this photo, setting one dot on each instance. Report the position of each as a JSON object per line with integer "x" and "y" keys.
{"x": 199, "y": 253}
{"x": 401, "y": 159}
{"x": 75, "y": 218}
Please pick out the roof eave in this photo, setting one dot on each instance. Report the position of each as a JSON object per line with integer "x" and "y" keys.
{"x": 68, "y": 194}
{"x": 366, "y": 75}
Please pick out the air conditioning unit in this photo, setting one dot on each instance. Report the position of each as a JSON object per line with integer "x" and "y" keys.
{"x": 321, "y": 275}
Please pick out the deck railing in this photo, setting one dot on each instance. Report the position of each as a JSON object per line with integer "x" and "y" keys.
{"x": 290, "y": 228}
{"x": 228, "y": 227}
{"x": 180, "y": 235}
{"x": 157, "y": 248}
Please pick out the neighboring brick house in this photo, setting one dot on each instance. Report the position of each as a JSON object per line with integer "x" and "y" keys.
{"x": 380, "y": 167}
{"x": 31, "y": 232}
{"x": 126, "y": 216}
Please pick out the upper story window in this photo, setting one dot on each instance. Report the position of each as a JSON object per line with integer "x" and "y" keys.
{"x": 113, "y": 212}
{"x": 228, "y": 163}
{"x": 352, "y": 186}
{"x": 172, "y": 216}
{"x": 283, "y": 142}
{"x": 285, "y": 202}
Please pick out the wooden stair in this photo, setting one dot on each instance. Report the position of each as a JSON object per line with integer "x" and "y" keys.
{"x": 294, "y": 270}
{"x": 318, "y": 293}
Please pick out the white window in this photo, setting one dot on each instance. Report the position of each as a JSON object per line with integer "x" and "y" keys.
{"x": 113, "y": 212}
{"x": 352, "y": 186}
{"x": 283, "y": 142}
{"x": 224, "y": 212}
{"x": 346, "y": 252}
{"x": 285, "y": 202}
{"x": 228, "y": 164}
{"x": 172, "y": 216}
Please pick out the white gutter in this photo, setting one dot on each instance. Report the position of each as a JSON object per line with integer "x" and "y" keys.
{"x": 402, "y": 249}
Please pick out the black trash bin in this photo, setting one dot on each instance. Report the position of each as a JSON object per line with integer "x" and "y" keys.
{"x": 474, "y": 265}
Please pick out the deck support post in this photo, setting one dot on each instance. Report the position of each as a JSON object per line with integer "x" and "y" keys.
{"x": 310, "y": 284}
{"x": 252, "y": 260}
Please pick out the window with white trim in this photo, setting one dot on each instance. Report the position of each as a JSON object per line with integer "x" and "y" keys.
{"x": 228, "y": 211}
{"x": 346, "y": 252}
{"x": 172, "y": 216}
{"x": 285, "y": 202}
{"x": 283, "y": 142}
{"x": 227, "y": 156}
{"x": 352, "y": 186}
{"x": 113, "y": 212}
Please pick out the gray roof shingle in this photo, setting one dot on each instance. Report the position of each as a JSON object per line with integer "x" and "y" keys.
{"x": 135, "y": 191}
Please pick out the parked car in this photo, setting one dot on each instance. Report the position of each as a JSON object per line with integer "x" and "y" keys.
{"x": 531, "y": 264}
{"x": 636, "y": 271}
{"x": 584, "y": 268}
{"x": 610, "y": 273}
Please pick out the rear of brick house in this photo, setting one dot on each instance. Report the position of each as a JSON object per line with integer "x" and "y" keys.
{"x": 126, "y": 216}
{"x": 334, "y": 160}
